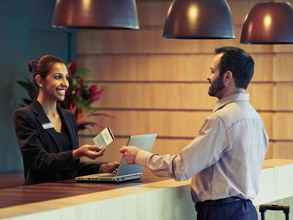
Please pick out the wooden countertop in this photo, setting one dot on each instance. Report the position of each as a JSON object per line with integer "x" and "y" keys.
{"x": 276, "y": 163}
{"x": 30, "y": 199}
{"x": 26, "y": 194}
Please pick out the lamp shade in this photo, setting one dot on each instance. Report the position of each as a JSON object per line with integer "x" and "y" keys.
{"x": 199, "y": 19}
{"x": 268, "y": 23}
{"x": 96, "y": 14}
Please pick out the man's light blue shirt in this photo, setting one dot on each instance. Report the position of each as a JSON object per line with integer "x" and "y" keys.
{"x": 225, "y": 159}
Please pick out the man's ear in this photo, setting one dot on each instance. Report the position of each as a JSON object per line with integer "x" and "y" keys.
{"x": 228, "y": 78}
{"x": 39, "y": 80}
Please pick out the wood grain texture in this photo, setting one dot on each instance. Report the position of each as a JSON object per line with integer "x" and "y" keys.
{"x": 283, "y": 126}
{"x": 283, "y": 65}
{"x": 151, "y": 42}
{"x": 171, "y": 68}
{"x": 145, "y": 200}
{"x": 173, "y": 96}
{"x": 283, "y": 150}
{"x": 283, "y": 96}
{"x": 28, "y": 194}
{"x": 283, "y": 49}
{"x": 165, "y": 123}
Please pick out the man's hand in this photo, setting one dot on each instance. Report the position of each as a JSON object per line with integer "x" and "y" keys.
{"x": 129, "y": 153}
{"x": 90, "y": 151}
{"x": 109, "y": 167}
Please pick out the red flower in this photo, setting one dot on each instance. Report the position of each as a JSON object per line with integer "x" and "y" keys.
{"x": 95, "y": 93}
{"x": 80, "y": 96}
{"x": 72, "y": 68}
{"x": 93, "y": 88}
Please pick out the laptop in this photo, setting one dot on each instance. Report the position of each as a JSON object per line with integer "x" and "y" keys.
{"x": 125, "y": 171}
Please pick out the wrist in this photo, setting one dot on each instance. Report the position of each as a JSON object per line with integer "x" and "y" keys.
{"x": 142, "y": 157}
{"x": 75, "y": 154}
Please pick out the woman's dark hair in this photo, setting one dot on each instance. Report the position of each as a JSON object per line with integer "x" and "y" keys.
{"x": 43, "y": 65}
{"x": 237, "y": 61}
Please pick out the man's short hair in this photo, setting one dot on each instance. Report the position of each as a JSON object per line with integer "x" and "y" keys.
{"x": 240, "y": 63}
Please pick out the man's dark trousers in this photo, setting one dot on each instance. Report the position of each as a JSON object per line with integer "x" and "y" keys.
{"x": 226, "y": 209}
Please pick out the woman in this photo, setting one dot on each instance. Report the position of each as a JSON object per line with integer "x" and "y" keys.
{"x": 47, "y": 134}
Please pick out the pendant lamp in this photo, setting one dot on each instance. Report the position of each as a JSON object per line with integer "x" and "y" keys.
{"x": 268, "y": 23}
{"x": 96, "y": 14}
{"x": 199, "y": 19}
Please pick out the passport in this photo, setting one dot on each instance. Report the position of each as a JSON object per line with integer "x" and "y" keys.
{"x": 104, "y": 138}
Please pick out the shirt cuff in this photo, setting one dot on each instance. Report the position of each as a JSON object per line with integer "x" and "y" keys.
{"x": 142, "y": 157}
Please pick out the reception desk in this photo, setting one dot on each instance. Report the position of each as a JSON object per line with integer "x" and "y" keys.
{"x": 152, "y": 198}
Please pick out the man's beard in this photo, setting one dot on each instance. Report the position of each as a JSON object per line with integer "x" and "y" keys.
{"x": 216, "y": 86}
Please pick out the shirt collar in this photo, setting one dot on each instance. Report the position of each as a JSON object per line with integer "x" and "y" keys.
{"x": 238, "y": 96}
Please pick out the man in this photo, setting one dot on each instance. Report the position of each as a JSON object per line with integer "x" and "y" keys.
{"x": 225, "y": 160}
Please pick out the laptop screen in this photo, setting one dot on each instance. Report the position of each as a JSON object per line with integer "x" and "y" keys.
{"x": 144, "y": 142}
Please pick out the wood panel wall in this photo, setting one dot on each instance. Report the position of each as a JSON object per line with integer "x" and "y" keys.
{"x": 159, "y": 85}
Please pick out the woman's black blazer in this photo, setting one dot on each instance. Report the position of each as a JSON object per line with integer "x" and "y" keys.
{"x": 43, "y": 158}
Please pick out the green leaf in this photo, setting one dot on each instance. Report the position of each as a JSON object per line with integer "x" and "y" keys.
{"x": 26, "y": 84}
{"x": 81, "y": 72}
{"x": 82, "y": 103}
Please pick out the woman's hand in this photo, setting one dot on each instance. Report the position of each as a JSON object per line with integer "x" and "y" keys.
{"x": 90, "y": 151}
{"x": 108, "y": 167}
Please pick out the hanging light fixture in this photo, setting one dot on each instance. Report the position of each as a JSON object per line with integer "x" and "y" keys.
{"x": 199, "y": 19}
{"x": 96, "y": 14}
{"x": 268, "y": 23}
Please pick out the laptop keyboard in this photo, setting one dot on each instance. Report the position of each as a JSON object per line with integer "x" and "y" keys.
{"x": 102, "y": 175}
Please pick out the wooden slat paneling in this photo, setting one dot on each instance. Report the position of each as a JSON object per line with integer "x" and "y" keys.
{"x": 150, "y": 42}
{"x": 173, "y": 96}
{"x": 283, "y": 96}
{"x": 283, "y": 49}
{"x": 157, "y": 95}
{"x": 283, "y": 65}
{"x": 170, "y": 124}
{"x": 163, "y": 67}
{"x": 270, "y": 150}
{"x": 178, "y": 124}
{"x": 283, "y": 150}
{"x": 152, "y": 13}
{"x": 283, "y": 126}
{"x": 261, "y": 96}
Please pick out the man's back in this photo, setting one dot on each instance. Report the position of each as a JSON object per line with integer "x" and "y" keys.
{"x": 236, "y": 172}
